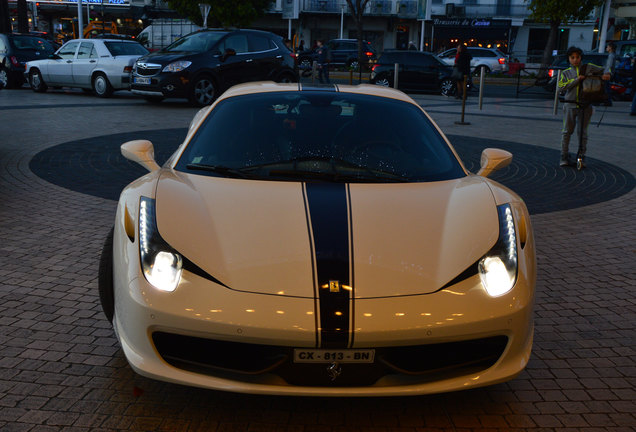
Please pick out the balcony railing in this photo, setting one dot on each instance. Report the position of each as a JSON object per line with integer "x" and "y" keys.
{"x": 488, "y": 10}
{"x": 406, "y": 8}
{"x": 323, "y": 6}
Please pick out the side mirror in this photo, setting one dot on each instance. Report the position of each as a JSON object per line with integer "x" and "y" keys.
{"x": 55, "y": 57}
{"x": 493, "y": 159}
{"x": 142, "y": 152}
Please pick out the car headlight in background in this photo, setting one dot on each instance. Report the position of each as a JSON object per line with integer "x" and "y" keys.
{"x": 177, "y": 66}
{"x": 160, "y": 263}
{"x": 498, "y": 269}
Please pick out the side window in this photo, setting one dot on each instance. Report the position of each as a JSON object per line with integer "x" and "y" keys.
{"x": 85, "y": 50}
{"x": 450, "y": 53}
{"x": 627, "y": 49}
{"x": 259, "y": 43}
{"x": 93, "y": 52}
{"x": 425, "y": 60}
{"x": 236, "y": 42}
{"x": 3, "y": 47}
{"x": 68, "y": 50}
{"x": 351, "y": 46}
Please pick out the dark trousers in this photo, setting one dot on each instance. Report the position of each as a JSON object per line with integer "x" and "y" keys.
{"x": 323, "y": 73}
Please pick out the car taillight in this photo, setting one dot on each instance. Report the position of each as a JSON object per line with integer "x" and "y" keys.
{"x": 502, "y": 61}
{"x": 373, "y": 67}
{"x": 551, "y": 73}
{"x": 368, "y": 54}
{"x": 128, "y": 68}
{"x": 618, "y": 88}
{"x": 14, "y": 61}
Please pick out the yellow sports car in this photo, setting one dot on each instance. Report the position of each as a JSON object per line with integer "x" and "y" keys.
{"x": 319, "y": 240}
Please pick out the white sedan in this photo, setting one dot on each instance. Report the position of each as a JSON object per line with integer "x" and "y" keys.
{"x": 295, "y": 245}
{"x": 100, "y": 65}
{"x": 491, "y": 59}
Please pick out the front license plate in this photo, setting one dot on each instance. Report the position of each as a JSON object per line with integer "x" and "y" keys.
{"x": 328, "y": 356}
{"x": 141, "y": 80}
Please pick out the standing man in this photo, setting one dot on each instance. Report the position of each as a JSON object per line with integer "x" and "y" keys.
{"x": 575, "y": 109}
{"x": 324, "y": 57}
{"x": 609, "y": 69}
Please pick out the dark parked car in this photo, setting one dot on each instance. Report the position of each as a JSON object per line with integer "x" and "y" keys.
{"x": 417, "y": 71}
{"x": 343, "y": 52}
{"x": 17, "y": 49}
{"x": 203, "y": 64}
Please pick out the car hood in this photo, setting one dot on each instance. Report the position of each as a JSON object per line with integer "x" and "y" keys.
{"x": 259, "y": 236}
{"x": 165, "y": 58}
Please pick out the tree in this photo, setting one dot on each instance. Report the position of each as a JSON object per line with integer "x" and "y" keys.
{"x": 223, "y": 13}
{"x": 557, "y": 12}
{"x": 357, "y": 8}
{"x": 5, "y": 21}
{"x": 23, "y": 17}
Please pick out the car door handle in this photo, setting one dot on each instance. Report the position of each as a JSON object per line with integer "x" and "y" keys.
{"x": 279, "y": 56}
{"x": 249, "y": 60}
{"x": 69, "y": 61}
{"x": 92, "y": 61}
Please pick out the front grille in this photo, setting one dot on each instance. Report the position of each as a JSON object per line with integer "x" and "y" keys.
{"x": 147, "y": 71}
{"x": 271, "y": 363}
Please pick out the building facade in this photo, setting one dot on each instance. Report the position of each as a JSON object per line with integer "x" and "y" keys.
{"x": 432, "y": 25}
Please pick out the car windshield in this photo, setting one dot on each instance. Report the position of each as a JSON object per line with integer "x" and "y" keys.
{"x": 195, "y": 42}
{"x": 125, "y": 48}
{"x": 319, "y": 136}
{"x": 31, "y": 43}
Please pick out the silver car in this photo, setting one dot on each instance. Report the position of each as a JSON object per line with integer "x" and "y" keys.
{"x": 492, "y": 59}
{"x": 100, "y": 65}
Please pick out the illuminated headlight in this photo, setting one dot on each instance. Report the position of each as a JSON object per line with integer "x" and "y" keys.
{"x": 498, "y": 269}
{"x": 160, "y": 263}
{"x": 177, "y": 66}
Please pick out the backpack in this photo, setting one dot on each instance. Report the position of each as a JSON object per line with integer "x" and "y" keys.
{"x": 592, "y": 88}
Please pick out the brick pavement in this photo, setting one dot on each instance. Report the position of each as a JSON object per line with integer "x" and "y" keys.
{"x": 61, "y": 369}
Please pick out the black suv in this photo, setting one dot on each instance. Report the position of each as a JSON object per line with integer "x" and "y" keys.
{"x": 343, "y": 52}
{"x": 203, "y": 64}
{"x": 17, "y": 49}
{"x": 417, "y": 71}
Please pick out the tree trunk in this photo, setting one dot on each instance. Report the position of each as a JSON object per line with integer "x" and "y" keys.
{"x": 23, "y": 18}
{"x": 549, "y": 47}
{"x": 5, "y": 21}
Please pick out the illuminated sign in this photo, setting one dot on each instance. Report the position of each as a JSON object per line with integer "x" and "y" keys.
{"x": 98, "y": 2}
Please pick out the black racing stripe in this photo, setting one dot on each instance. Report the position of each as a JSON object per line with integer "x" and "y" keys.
{"x": 328, "y": 212}
{"x": 319, "y": 87}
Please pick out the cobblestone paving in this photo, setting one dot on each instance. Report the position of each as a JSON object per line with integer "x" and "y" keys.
{"x": 61, "y": 368}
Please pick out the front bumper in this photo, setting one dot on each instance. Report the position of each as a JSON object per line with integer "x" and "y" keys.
{"x": 163, "y": 84}
{"x": 164, "y": 334}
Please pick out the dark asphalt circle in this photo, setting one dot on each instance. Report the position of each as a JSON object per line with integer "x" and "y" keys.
{"x": 96, "y": 167}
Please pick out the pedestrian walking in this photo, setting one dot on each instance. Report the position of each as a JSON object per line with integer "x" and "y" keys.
{"x": 461, "y": 69}
{"x": 324, "y": 58}
{"x": 609, "y": 68}
{"x": 576, "y": 109}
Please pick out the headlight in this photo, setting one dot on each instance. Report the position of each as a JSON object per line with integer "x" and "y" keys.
{"x": 177, "y": 66}
{"x": 160, "y": 263}
{"x": 498, "y": 269}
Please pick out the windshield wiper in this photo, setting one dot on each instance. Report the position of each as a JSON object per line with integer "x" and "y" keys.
{"x": 230, "y": 172}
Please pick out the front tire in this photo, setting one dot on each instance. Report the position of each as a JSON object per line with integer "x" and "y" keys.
{"x": 37, "y": 82}
{"x": 477, "y": 70}
{"x": 105, "y": 278}
{"x": 101, "y": 86}
{"x": 286, "y": 77}
{"x": 203, "y": 91}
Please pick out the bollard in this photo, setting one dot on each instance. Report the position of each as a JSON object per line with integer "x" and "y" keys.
{"x": 314, "y": 66}
{"x": 350, "y": 76}
{"x": 482, "y": 72}
{"x": 462, "y": 122}
{"x": 396, "y": 68}
{"x": 556, "y": 93}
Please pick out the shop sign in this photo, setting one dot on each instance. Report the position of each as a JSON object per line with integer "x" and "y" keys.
{"x": 98, "y": 2}
{"x": 470, "y": 22}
